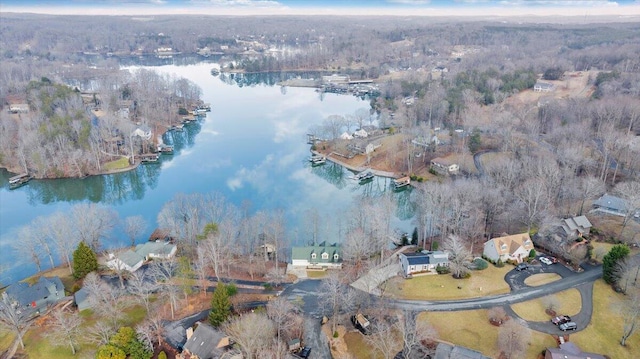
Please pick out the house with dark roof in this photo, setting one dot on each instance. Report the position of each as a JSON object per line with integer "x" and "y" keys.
{"x": 34, "y": 298}
{"x": 450, "y": 351}
{"x": 206, "y": 342}
{"x": 576, "y": 227}
{"x": 81, "y": 298}
{"x": 568, "y": 350}
{"x": 320, "y": 255}
{"x": 611, "y": 205}
{"x": 422, "y": 262}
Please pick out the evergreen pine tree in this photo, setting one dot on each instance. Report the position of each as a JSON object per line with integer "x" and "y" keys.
{"x": 220, "y": 305}
{"x": 84, "y": 261}
{"x": 617, "y": 254}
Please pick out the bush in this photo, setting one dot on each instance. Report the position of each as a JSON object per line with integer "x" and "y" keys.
{"x": 442, "y": 269}
{"x": 182, "y": 111}
{"x": 162, "y": 355}
{"x": 232, "y": 289}
{"x": 500, "y": 263}
{"x": 532, "y": 253}
{"x": 267, "y": 286}
{"x": 335, "y": 334}
{"x": 480, "y": 264}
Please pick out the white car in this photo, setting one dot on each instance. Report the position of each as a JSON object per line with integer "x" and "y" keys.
{"x": 546, "y": 261}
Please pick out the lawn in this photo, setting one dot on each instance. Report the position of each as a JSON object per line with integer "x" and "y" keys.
{"x": 569, "y": 303}
{"x": 117, "y": 164}
{"x": 443, "y": 287}
{"x": 471, "y": 329}
{"x": 358, "y": 347}
{"x": 541, "y": 279}
{"x": 38, "y": 346}
{"x": 603, "y": 334}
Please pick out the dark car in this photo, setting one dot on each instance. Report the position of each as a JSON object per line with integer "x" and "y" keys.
{"x": 522, "y": 266}
{"x": 561, "y": 319}
{"x": 568, "y": 326}
{"x": 304, "y": 352}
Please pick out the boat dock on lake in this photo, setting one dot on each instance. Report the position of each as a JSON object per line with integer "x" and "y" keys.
{"x": 19, "y": 180}
{"x": 149, "y": 158}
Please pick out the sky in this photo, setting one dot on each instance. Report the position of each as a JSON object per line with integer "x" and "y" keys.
{"x": 328, "y": 7}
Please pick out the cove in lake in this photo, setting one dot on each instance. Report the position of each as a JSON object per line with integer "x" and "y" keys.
{"x": 250, "y": 147}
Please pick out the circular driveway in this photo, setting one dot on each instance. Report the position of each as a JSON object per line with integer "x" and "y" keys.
{"x": 516, "y": 280}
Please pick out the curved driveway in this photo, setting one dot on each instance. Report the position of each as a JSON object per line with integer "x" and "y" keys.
{"x": 517, "y": 296}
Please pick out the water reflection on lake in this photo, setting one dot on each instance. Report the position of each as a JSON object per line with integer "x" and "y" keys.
{"x": 250, "y": 147}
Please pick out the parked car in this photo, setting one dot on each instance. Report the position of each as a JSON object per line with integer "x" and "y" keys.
{"x": 561, "y": 319}
{"x": 304, "y": 353}
{"x": 546, "y": 261}
{"x": 568, "y": 326}
{"x": 522, "y": 266}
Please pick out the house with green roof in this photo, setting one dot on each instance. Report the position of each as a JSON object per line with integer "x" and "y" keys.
{"x": 156, "y": 250}
{"x": 328, "y": 255}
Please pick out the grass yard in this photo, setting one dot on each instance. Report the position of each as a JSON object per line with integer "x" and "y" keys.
{"x": 569, "y": 303}
{"x": 117, "y": 164}
{"x": 441, "y": 287}
{"x": 603, "y": 334}
{"x": 541, "y": 279}
{"x": 472, "y": 330}
{"x": 358, "y": 347}
{"x": 6, "y": 339}
{"x": 38, "y": 346}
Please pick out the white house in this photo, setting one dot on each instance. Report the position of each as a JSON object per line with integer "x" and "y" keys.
{"x": 445, "y": 166}
{"x": 127, "y": 260}
{"x": 515, "y": 247}
{"x": 346, "y": 136}
{"x": 156, "y": 250}
{"x": 361, "y": 133}
{"x": 422, "y": 262}
{"x": 323, "y": 255}
{"x": 543, "y": 87}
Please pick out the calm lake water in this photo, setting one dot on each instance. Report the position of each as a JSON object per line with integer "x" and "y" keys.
{"x": 251, "y": 146}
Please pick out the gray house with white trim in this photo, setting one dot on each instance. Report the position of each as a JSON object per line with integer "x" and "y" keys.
{"x": 36, "y": 297}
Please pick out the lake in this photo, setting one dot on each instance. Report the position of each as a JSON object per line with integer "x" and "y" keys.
{"x": 250, "y": 147}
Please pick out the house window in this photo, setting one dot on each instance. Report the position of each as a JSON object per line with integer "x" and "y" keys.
{"x": 325, "y": 255}
{"x": 335, "y": 256}
{"x": 313, "y": 256}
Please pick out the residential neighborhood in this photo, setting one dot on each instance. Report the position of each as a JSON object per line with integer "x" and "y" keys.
{"x": 293, "y": 179}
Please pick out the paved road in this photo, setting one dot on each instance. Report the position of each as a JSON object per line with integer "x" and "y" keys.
{"x": 588, "y": 276}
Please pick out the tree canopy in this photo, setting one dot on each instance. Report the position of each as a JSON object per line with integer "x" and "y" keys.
{"x": 84, "y": 261}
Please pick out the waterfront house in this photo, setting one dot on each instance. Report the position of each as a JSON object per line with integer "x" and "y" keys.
{"x": 445, "y": 166}
{"x": 127, "y": 260}
{"x": 156, "y": 250}
{"x": 514, "y": 247}
{"x": 576, "y": 227}
{"x": 422, "y": 262}
{"x": 34, "y": 298}
{"x": 321, "y": 255}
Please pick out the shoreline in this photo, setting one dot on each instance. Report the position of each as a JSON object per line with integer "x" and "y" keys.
{"x": 357, "y": 169}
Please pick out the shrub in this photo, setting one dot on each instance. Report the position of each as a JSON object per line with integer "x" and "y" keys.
{"x": 500, "y": 263}
{"x": 232, "y": 289}
{"x": 433, "y": 172}
{"x": 162, "y": 355}
{"x": 335, "y": 334}
{"x": 182, "y": 111}
{"x": 435, "y": 246}
{"x": 532, "y": 253}
{"x": 442, "y": 269}
{"x": 480, "y": 264}
{"x": 267, "y": 286}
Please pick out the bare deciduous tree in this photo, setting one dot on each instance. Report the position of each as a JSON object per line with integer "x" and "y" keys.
{"x": 13, "y": 319}
{"x": 512, "y": 340}
{"x": 384, "y": 338}
{"x": 252, "y": 332}
{"x": 134, "y": 226}
{"x": 60, "y": 229}
{"x": 141, "y": 288}
{"x": 92, "y": 223}
{"x": 64, "y": 329}
{"x": 162, "y": 273}
{"x": 459, "y": 255}
{"x": 630, "y": 310}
